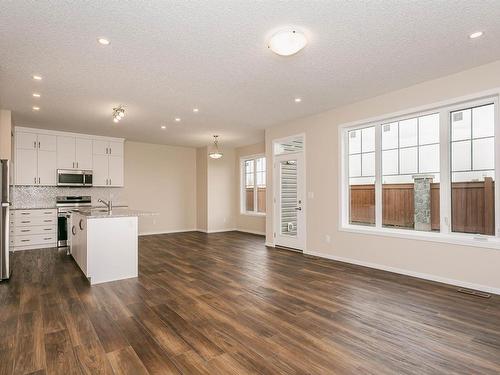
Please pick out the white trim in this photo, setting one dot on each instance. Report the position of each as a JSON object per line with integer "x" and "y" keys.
{"x": 251, "y": 213}
{"x": 216, "y": 230}
{"x": 463, "y": 239}
{"x": 425, "y": 276}
{"x": 67, "y": 134}
{"x": 167, "y": 232}
{"x": 269, "y": 244}
{"x": 251, "y": 231}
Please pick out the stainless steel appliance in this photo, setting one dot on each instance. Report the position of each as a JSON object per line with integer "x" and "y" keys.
{"x": 73, "y": 177}
{"x": 4, "y": 220}
{"x": 64, "y": 206}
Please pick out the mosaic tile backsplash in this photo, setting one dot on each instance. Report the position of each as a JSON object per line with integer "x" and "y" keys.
{"x": 45, "y": 196}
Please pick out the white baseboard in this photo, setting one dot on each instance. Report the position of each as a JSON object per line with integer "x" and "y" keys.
{"x": 269, "y": 244}
{"x": 425, "y": 276}
{"x": 251, "y": 232}
{"x": 167, "y": 232}
{"x": 216, "y": 230}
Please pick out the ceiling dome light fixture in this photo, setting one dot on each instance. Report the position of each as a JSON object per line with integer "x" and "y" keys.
{"x": 287, "y": 42}
{"x": 118, "y": 113}
{"x": 216, "y": 153}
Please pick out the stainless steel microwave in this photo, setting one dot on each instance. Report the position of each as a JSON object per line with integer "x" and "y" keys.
{"x": 72, "y": 177}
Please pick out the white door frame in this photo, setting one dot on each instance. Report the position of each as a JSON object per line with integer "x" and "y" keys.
{"x": 299, "y": 242}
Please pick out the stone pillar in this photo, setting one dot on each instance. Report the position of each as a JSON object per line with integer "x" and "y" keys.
{"x": 422, "y": 202}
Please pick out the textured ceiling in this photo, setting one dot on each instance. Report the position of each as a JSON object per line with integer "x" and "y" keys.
{"x": 167, "y": 57}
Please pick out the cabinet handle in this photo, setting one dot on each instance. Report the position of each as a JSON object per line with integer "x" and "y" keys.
{"x": 34, "y": 144}
{"x": 35, "y": 180}
{"x": 25, "y": 240}
{"x": 77, "y": 164}
{"x": 38, "y": 180}
{"x": 73, "y": 230}
{"x": 110, "y": 150}
{"x": 106, "y": 150}
{"x": 25, "y": 222}
{"x": 25, "y": 213}
{"x": 26, "y": 230}
{"x": 48, "y": 229}
{"x": 38, "y": 144}
{"x": 110, "y": 181}
{"x": 47, "y": 221}
{"x": 46, "y": 239}
{"x": 80, "y": 224}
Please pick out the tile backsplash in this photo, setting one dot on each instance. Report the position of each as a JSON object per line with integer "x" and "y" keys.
{"x": 45, "y": 196}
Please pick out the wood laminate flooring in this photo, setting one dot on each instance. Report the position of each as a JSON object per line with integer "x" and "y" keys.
{"x": 225, "y": 304}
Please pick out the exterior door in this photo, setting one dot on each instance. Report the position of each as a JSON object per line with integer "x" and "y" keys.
{"x": 289, "y": 196}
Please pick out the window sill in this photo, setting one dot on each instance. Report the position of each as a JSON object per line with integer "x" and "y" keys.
{"x": 259, "y": 214}
{"x": 463, "y": 239}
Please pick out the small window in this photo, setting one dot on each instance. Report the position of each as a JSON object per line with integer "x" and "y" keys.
{"x": 253, "y": 193}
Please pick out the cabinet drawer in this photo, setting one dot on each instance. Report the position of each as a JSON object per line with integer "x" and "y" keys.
{"x": 39, "y": 220}
{"x": 37, "y": 239}
{"x": 30, "y": 230}
{"x": 33, "y": 213}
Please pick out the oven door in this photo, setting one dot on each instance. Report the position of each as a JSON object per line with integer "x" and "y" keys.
{"x": 62, "y": 229}
{"x": 70, "y": 178}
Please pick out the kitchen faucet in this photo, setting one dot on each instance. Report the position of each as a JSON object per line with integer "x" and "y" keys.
{"x": 108, "y": 204}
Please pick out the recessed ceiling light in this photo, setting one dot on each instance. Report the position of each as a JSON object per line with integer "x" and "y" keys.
{"x": 35, "y": 108}
{"x": 287, "y": 42}
{"x": 35, "y": 95}
{"x": 36, "y": 77}
{"x": 298, "y": 100}
{"x": 177, "y": 119}
{"x": 163, "y": 127}
{"x": 475, "y": 35}
{"x": 195, "y": 110}
{"x": 103, "y": 41}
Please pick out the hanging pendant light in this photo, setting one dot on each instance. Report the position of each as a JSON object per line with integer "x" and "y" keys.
{"x": 216, "y": 153}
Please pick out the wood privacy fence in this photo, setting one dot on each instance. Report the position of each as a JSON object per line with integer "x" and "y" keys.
{"x": 261, "y": 199}
{"x": 472, "y": 206}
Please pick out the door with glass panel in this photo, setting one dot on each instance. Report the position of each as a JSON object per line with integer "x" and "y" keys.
{"x": 290, "y": 201}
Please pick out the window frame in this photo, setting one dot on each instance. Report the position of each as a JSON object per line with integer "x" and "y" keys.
{"x": 243, "y": 160}
{"x": 444, "y": 108}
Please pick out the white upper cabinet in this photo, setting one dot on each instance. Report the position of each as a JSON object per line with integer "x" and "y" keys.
{"x": 26, "y": 141}
{"x": 100, "y": 147}
{"x": 35, "y": 159}
{"x": 108, "y": 163}
{"x": 83, "y": 153}
{"x": 74, "y": 153}
{"x": 65, "y": 152}
{"x": 47, "y": 142}
{"x": 39, "y": 153}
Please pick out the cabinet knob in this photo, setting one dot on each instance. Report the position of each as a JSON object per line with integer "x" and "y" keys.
{"x": 73, "y": 230}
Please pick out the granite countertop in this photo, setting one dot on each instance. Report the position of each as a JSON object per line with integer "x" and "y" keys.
{"x": 101, "y": 213}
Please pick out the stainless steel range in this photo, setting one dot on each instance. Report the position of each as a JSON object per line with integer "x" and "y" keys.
{"x": 64, "y": 206}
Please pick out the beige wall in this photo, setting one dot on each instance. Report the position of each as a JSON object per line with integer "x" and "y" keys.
{"x": 221, "y": 192}
{"x": 201, "y": 189}
{"x": 5, "y": 134}
{"x": 465, "y": 265}
{"x": 161, "y": 179}
{"x": 247, "y": 223}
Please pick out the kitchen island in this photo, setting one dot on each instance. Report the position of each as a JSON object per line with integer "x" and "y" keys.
{"x": 104, "y": 243}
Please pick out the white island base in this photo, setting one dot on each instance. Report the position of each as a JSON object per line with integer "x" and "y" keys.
{"x": 105, "y": 247}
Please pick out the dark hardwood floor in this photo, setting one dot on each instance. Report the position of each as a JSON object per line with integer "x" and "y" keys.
{"x": 224, "y": 304}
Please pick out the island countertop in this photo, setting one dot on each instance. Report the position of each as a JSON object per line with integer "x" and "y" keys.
{"x": 103, "y": 213}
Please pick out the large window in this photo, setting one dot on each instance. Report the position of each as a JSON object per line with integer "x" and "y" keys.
{"x": 253, "y": 191}
{"x": 431, "y": 171}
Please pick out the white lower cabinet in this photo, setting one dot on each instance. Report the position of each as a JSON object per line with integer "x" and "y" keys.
{"x": 33, "y": 229}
